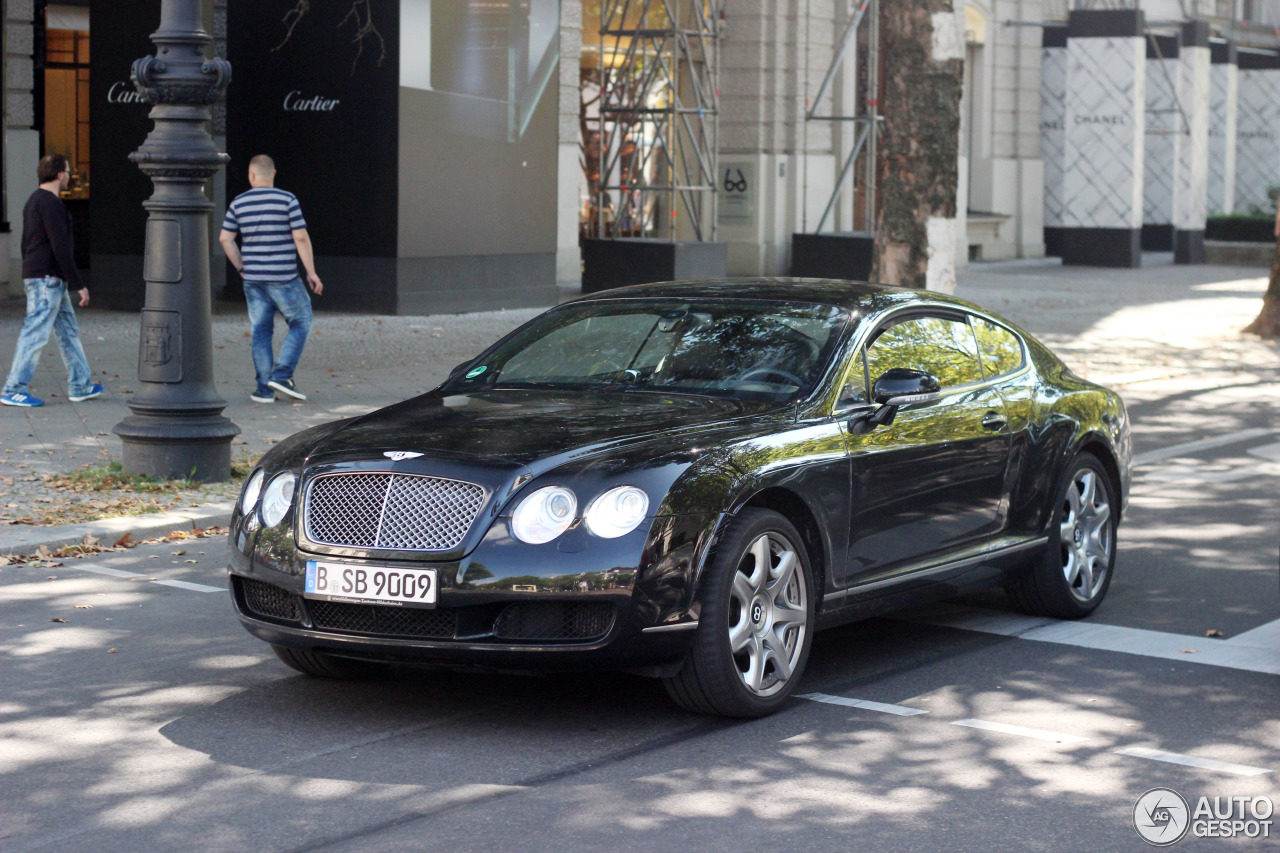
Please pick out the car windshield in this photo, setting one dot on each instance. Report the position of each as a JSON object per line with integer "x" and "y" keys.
{"x": 750, "y": 349}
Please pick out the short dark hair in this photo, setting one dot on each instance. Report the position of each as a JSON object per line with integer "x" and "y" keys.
{"x": 50, "y": 166}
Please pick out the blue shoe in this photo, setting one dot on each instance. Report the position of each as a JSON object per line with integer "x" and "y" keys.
{"x": 26, "y": 401}
{"x": 286, "y": 386}
{"x": 263, "y": 397}
{"x": 95, "y": 390}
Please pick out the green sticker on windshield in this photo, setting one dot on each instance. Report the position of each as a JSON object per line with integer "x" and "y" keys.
{"x": 476, "y": 371}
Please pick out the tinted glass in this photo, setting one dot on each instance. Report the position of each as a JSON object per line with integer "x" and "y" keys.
{"x": 758, "y": 350}
{"x": 942, "y": 346}
{"x": 1000, "y": 348}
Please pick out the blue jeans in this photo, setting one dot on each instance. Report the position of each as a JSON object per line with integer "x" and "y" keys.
{"x": 48, "y": 310}
{"x": 294, "y": 304}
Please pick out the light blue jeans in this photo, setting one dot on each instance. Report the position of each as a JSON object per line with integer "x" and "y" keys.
{"x": 48, "y": 310}
{"x": 294, "y": 304}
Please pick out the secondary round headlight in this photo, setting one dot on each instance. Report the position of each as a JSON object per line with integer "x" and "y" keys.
{"x": 617, "y": 512}
{"x": 252, "y": 489}
{"x": 277, "y": 498}
{"x": 544, "y": 515}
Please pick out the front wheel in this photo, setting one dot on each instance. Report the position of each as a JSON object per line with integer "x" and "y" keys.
{"x": 756, "y": 623}
{"x": 1072, "y": 575}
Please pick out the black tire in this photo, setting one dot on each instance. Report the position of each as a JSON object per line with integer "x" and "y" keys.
{"x": 773, "y": 625}
{"x": 321, "y": 665}
{"x": 1063, "y": 581}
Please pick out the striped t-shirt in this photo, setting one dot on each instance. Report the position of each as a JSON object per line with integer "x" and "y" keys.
{"x": 266, "y": 218}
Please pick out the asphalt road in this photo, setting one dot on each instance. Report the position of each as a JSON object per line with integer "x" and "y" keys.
{"x": 970, "y": 727}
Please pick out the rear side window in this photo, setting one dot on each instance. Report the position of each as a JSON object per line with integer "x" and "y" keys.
{"x": 940, "y": 345}
{"x": 1000, "y": 348}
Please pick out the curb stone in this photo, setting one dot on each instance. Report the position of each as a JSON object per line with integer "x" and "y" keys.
{"x": 23, "y": 539}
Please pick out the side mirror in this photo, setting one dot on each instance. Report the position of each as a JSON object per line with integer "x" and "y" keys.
{"x": 896, "y": 387}
{"x": 900, "y": 386}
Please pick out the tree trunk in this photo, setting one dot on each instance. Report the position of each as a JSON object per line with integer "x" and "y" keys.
{"x": 919, "y": 143}
{"x": 1267, "y": 323}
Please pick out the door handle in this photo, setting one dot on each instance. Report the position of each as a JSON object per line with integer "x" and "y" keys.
{"x": 994, "y": 421}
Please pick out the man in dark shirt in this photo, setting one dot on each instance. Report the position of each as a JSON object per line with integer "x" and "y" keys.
{"x": 48, "y": 267}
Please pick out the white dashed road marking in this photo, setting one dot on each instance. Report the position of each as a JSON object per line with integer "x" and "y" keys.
{"x": 121, "y": 573}
{"x": 194, "y": 587}
{"x": 1021, "y": 731}
{"x": 1253, "y": 651}
{"x": 1193, "y": 761}
{"x": 865, "y": 704}
{"x": 1185, "y": 448}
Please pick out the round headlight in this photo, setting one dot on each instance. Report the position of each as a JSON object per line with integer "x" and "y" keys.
{"x": 277, "y": 498}
{"x": 252, "y": 489}
{"x": 544, "y": 515}
{"x": 617, "y": 512}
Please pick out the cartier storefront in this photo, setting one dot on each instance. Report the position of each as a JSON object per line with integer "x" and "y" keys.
{"x": 418, "y": 135}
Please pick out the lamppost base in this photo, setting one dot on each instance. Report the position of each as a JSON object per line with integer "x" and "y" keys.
{"x": 199, "y": 449}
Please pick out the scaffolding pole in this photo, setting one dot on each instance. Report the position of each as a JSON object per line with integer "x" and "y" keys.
{"x": 658, "y": 118}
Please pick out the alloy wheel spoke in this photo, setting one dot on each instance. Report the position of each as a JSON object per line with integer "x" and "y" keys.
{"x": 785, "y": 572}
{"x": 754, "y": 676}
{"x": 743, "y": 592}
{"x": 1071, "y": 570}
{"x": 785, "y": 616}
{"x": 1066, "y": 531}
{"x": 764, "y": 559}
{"x": 1088, "y": 483}
{"x": 781, "y": 666}
{"x": 740, "y": 634}
{"x": 1100, "y": 516}
{"x": 1085, "y": 574}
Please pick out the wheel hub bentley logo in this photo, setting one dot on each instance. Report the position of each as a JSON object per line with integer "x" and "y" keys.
{"x": 757, "y": 612}
{"x": 400, "y": 455}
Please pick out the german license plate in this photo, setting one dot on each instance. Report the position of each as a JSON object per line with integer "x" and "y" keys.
{"x": 379, "y": 584}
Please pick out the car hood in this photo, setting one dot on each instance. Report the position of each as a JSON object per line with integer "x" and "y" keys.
{"x": 521, "y": 428}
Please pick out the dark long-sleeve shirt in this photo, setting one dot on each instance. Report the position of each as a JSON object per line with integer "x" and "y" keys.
{"x": 46, "y": 240}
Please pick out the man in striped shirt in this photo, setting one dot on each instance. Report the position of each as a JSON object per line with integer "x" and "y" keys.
{"x": 273, "y": 237}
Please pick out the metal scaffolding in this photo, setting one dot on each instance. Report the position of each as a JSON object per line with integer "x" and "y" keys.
{"x": 865, "y": 21}
{"x": 655, "y": 134}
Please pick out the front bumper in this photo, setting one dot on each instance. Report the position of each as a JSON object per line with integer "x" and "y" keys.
{"x": 580, "y": 603}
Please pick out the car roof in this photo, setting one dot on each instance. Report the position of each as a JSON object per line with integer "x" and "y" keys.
{"x": 845, "y": 294}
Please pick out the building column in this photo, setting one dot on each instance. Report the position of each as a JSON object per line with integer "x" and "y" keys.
{"x": 1103, "y": 153}
{"x": 1257, "y": 129}
{"x": 1161, "y": 142}
{"x": 1192, "y": 168}
{"x": 1053, "y": 114}
{"x": 1224, "y": 80}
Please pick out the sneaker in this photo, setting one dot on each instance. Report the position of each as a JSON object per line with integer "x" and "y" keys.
{"x": 286, "y": 386}
{"x": 95, "y": 390}
{"x": 26, "y": 401}
{"x": 259, "y": 397}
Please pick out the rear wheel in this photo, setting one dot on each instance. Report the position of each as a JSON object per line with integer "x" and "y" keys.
{"x": 1072, "y": 575}
{"x": 756, "y": 623}
{"x": 323, "y": 665}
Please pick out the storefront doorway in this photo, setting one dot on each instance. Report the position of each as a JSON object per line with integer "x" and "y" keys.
{"x": 62, "y": 43}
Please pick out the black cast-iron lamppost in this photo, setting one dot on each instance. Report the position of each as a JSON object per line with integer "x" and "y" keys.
{"x": 177, "y": 428}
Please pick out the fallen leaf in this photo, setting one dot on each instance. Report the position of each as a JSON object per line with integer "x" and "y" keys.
{"x": 1188, "y": 651}
{"x": 177, "y": 553}
{"x": 44, "y": 553}
{"x": 84, "y": 607}
{"x": 190, "y": 561}
{"x": 1213, "y": 632}
{"x": 124, "y": 541}
{"x": 58, "y": 619}
{"x": 111, "y": 651}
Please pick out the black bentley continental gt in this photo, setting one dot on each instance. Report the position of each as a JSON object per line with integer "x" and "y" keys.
{"x": 687, "y": 480}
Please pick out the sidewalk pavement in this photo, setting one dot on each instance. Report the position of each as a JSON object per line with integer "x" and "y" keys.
{"x": 1131, "y": 329}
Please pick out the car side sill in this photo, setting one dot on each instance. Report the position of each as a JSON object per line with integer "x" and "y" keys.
{"x": 679, "y": 626}
{"x": 974, "y": 557}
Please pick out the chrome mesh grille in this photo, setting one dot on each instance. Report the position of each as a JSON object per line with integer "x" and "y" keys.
{"x": 383, "y": 620}
{"x": 406, "y": 512}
